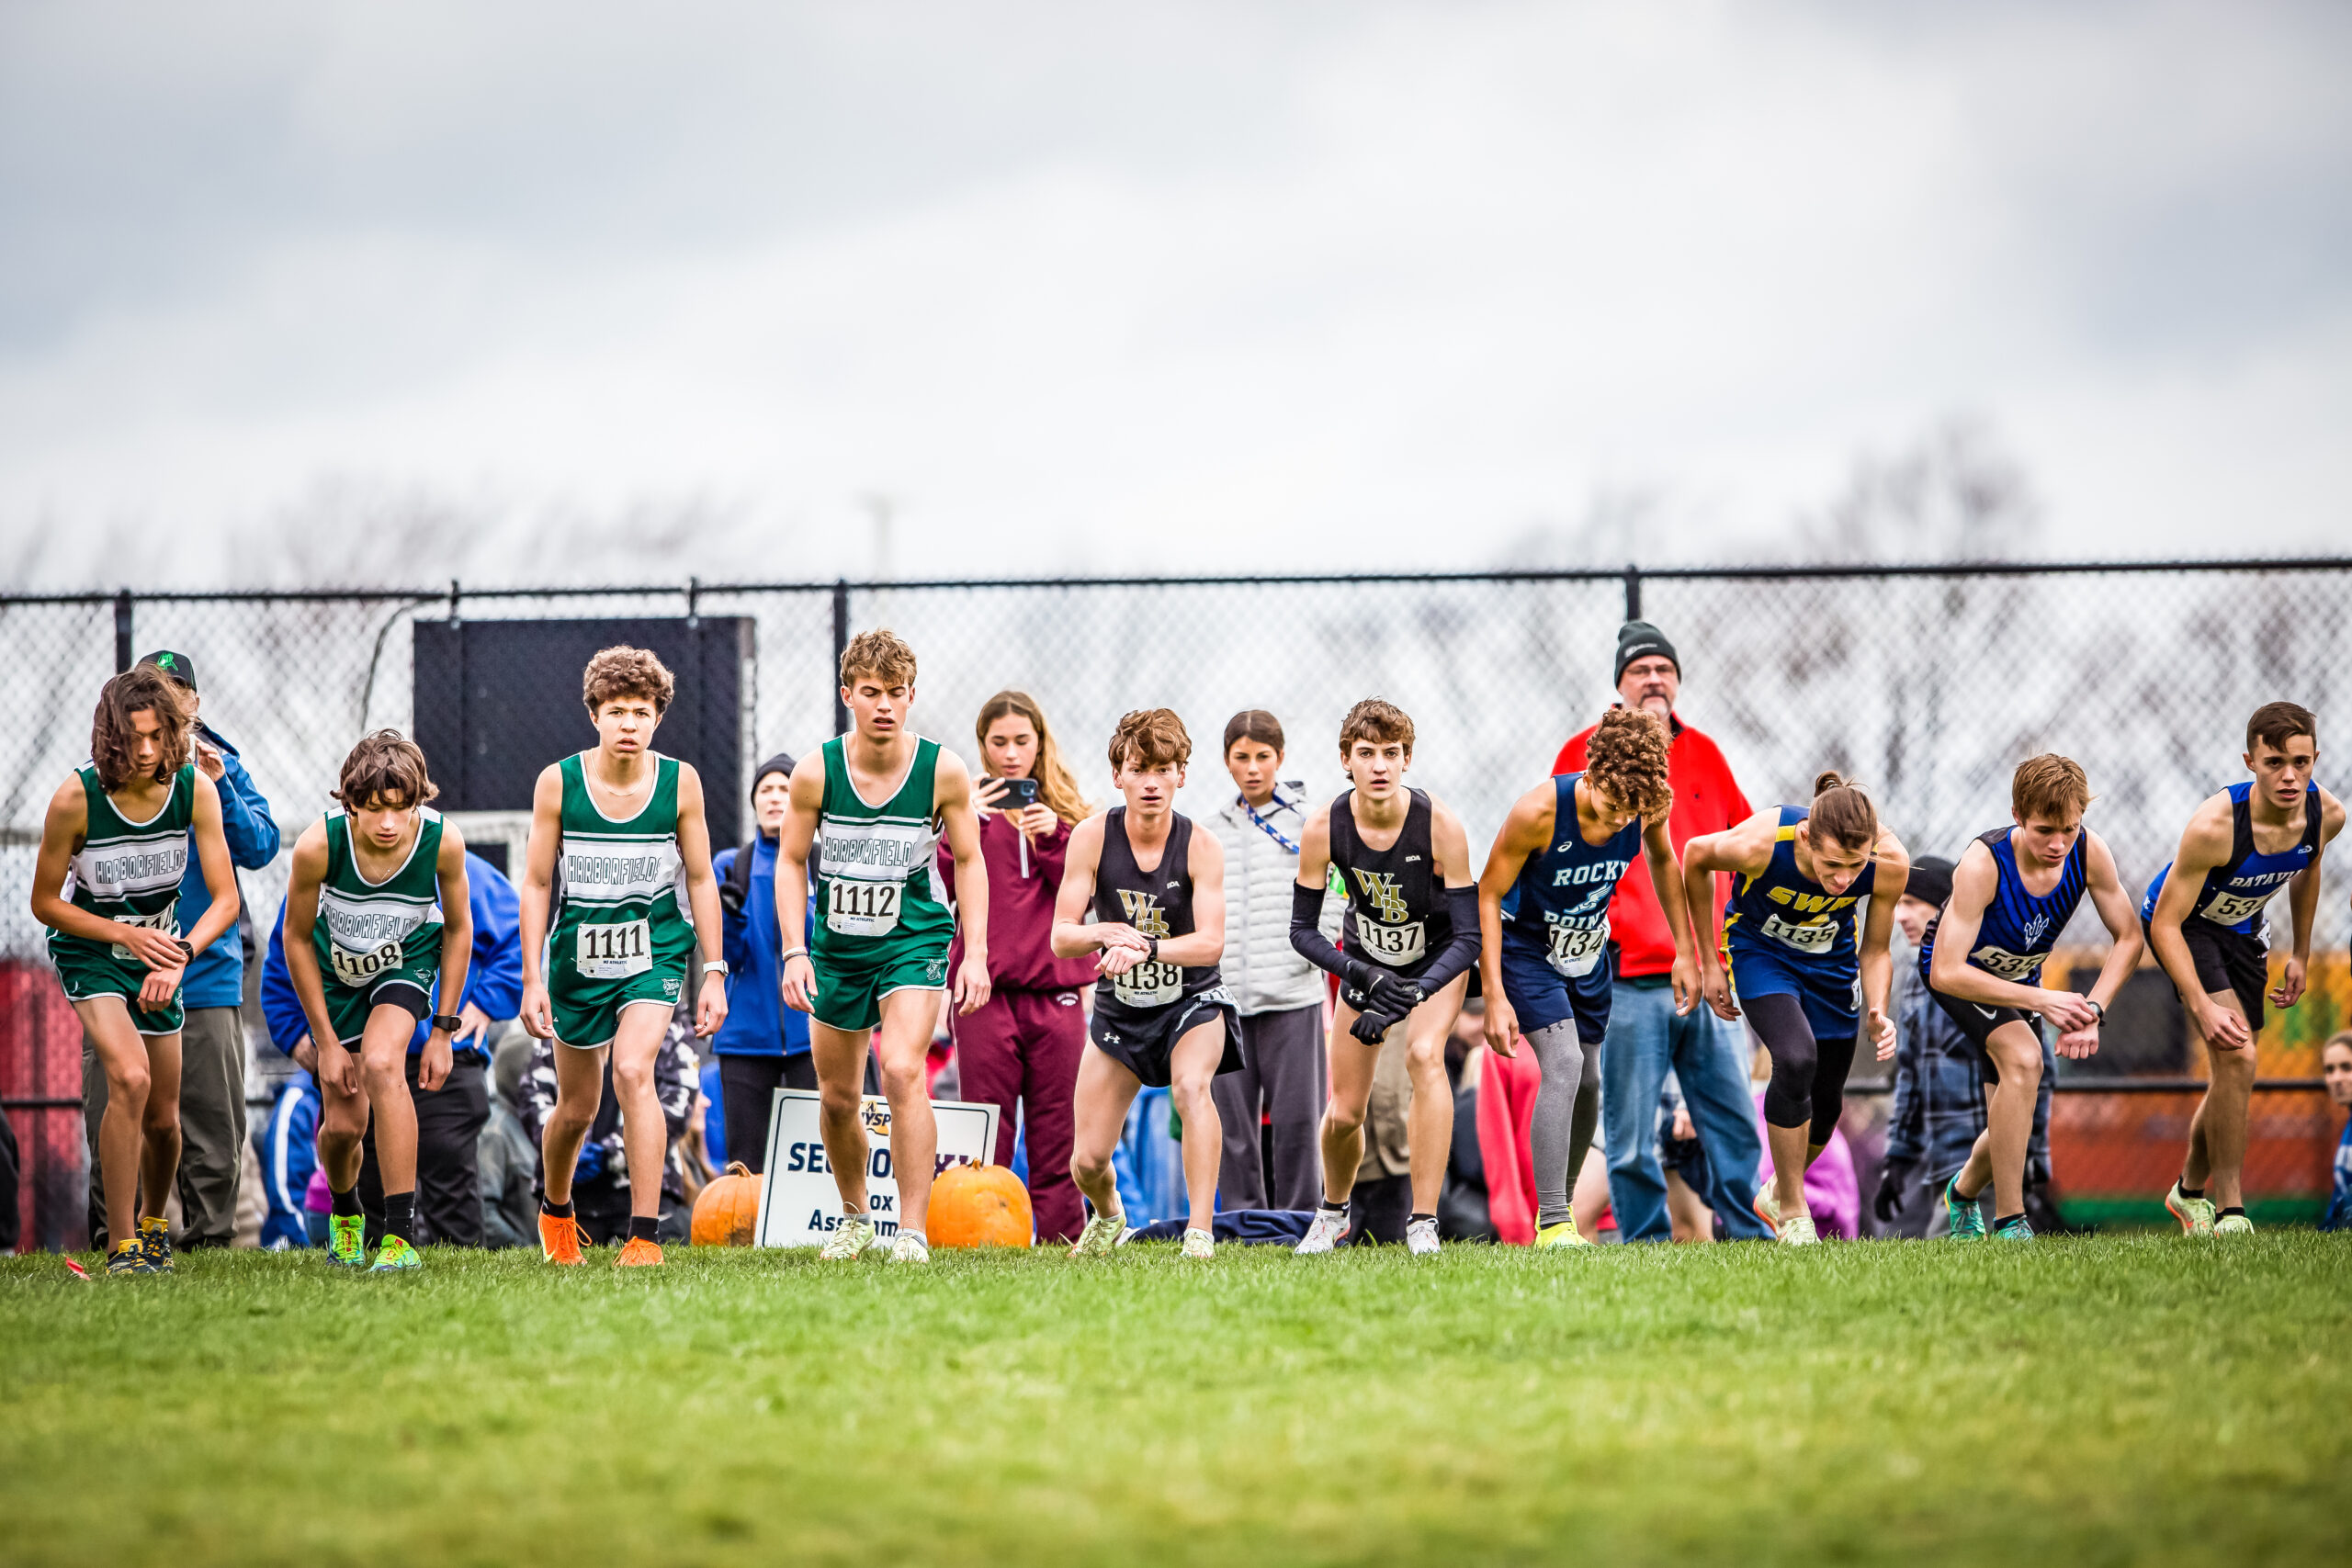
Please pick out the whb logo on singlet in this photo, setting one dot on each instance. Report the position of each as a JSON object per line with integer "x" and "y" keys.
{"x": 1143, "y": 912}
{"x": 1150, "y": 983}
{"x": 1386, "y": 898}
{"x": 1383, "y": 932}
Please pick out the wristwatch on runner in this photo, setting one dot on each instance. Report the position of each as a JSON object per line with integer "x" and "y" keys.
{"x": 188, "y": 950}
{"x": 715, "y": 967}
{"x": 450, "y": 1022}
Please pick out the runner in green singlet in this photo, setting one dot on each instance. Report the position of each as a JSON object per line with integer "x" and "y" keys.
{"x": 120, "y": 828}
{"x": 377, "y": 911}
{"x": 619, "y": 865}
{"x": 871, "y": 971}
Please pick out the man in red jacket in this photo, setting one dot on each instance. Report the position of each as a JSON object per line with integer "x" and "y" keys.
{"x": 1646, "y": 1038}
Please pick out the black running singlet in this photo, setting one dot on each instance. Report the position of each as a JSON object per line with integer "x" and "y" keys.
{"x": 1397, "y": 913}
{"x": 1157, "y": 903}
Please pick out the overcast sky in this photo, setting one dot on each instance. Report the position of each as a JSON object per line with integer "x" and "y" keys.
{"x": 1153, "y": 288}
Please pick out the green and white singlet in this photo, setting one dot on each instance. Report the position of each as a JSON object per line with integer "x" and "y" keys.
{"x": 880, "y": 924}
{"x": 622, "y": 932}
{"x": 373, "y": 934}
{"x": 130, "y": 872}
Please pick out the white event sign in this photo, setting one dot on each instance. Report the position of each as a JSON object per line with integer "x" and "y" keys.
{"x": 800, "y": 1206}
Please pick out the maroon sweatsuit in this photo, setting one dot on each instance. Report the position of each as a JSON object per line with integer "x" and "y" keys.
{"x": 1024, "y": 1046}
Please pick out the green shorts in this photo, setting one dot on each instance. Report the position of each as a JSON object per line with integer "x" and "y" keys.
{"x": 349, "y": 1007}
{"x": 89, "y": 970}
{"x": 851, "y": 999}
{"x": 588, "y": 1013}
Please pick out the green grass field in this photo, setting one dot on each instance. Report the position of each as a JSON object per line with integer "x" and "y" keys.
{"x": 2107, "y": 1401}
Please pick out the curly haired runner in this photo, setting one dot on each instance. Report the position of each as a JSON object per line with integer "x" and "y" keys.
{"x": 120, "y": 827}
{"x": 1544, "y": 955}
{"x": 638, "y": 899}
{"x": 1162, "y": 1015}
{"x": 1800, "y": 966}
{"x": 377, "y": 896}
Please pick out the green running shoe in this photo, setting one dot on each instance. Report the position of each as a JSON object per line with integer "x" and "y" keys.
{"x": 396, "y": 1255}
{"x": 2013, "y": 1230}
{"x": 348, "y": 1240}
{"x": 155, "y": 1241}
{"x": 1967, "y": 1214}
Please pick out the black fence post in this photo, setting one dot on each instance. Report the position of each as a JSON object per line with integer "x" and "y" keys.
{"x": 1633, "y": 591}
{"x": 840, "y": 642}
{"x": 122, "y": 631}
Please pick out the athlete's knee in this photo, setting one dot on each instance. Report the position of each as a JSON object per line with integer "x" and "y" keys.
{"x": 380, "y": 1075}
{"x": 129, "y": 1084}
{"x": 632, "y": 1081}
{"x": 2233, "y": 1067}
{"x": 903, "y": 1077}
{"x": 1338, "y": 1118}
{"x": 159, "y": 1116}
{"x": 1425, "y": 1061}
{"x": 1089, "y": 1167}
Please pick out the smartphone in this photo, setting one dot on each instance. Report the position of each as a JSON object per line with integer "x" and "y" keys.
{"x": 1019, "y": 794}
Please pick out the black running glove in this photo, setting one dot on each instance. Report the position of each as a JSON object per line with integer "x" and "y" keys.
{"x": 1389, "y": 992}
{"x": 1372, "y": 1027}
{"x": 1900, "y": 1173}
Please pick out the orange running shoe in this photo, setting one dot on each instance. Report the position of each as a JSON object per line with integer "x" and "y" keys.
{"x": 559, "y": 1238}
{"x": 639, "y": 1254}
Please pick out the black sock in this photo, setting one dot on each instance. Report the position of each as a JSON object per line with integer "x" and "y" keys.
{"x": 1332, "y": 1208}
{"x": 561, "y": 1210}
{"x": 2233, "y": 1209}
{"x": 2005, "y": 1221}
{"x": 346, "y": 1203}
{"x": 1417, "y": 1216}
{"x": 2188, "y": 1191}
{"x": 642, "y": 1226}
{"x": 400, "y": 1216}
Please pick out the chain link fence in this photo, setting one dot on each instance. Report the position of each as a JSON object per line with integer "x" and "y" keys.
{"x": 1927, "y": 682}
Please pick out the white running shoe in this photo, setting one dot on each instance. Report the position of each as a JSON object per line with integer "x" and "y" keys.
{"x": 1421, "y": 1239}
{"x": 850, "y": 1238}
{"x": 910, "y": 1248}
{"x": 1103, "y": 1233}
{"x": 1324, "y": 1233}
{"x": 2195, "y": 1215}
{"x": 2232, "y": 1225}
{"x": 1797, "y": 1231}
{"x": 1199, "y": 1243}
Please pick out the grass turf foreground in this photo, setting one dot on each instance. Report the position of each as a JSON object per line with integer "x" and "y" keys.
{"x": 2081, "y": 1401}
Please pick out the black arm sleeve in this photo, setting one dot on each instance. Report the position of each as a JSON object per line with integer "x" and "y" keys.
{"x": 1460, "y": 950}
{"x": 1307, "y": 939}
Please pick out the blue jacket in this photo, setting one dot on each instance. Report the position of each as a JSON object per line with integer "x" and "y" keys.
{"x": 2339, "y": 1203}
{"x": 758, "y": 1024}
{"x": 217, "y": 978}
{"x": 493, "y": 981}
{"x": 286, "y": 1143}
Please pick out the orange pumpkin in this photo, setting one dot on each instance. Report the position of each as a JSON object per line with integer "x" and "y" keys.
{"x": 728, "y": 1212}
{"x": 980, "y": 1205}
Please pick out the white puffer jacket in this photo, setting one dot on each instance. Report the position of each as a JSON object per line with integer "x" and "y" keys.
{"x": 1263, "y": 971}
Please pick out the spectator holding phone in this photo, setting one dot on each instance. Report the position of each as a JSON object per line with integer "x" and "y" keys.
{"x": 1024, "y": 1047}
